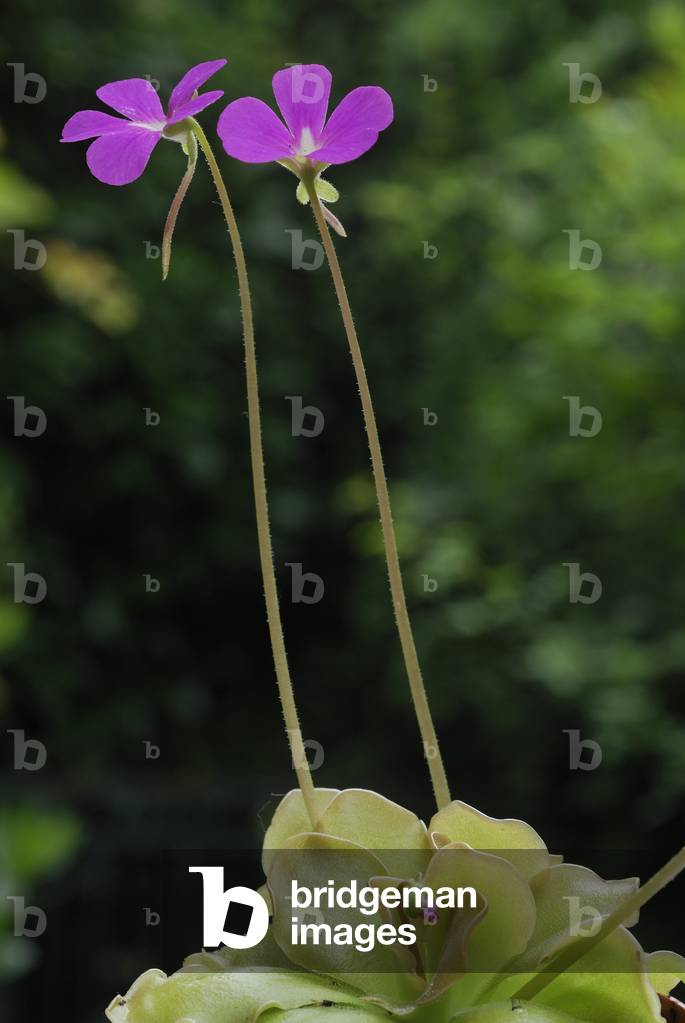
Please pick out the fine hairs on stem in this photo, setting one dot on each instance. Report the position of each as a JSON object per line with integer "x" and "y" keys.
{"x": 416, "y": 685}
{"x": 285, "y": 687}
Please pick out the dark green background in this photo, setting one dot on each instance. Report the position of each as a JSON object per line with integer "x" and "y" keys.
{"x": 491, "y": 167}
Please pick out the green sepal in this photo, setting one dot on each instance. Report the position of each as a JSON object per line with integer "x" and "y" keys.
{"x": 324, "y": 189}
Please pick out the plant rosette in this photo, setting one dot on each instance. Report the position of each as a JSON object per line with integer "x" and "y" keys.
{"x": 465, "y": 966}
{"x": 505, "y": 954}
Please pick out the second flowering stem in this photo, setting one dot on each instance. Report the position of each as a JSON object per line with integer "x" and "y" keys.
{"x": 416, "y": 684}
{"x": 285, "y": 687}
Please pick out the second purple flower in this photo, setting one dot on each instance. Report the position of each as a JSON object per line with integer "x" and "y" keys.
{"x": 252, "y": 132}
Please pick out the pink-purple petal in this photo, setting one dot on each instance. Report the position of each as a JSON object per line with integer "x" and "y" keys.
{"x": 302, "y": 93}
{"x": 136, "y": 99}
{"x": 344, "y": 149}
{"x": 87, "y": 124}
{"x": 191, "y": 81}
{"x": 194, "y": 106}
{"x": 120, "y": 157}
{"x": 250, "y": 131}
{"x": 353, "y": 127}
{"x": 368, "y": 107}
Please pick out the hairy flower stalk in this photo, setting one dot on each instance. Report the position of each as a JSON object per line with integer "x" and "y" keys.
{"x": 118, "y": 154}
{"x": 285, "y": 687}
{"x": 411, "y": 660}
{"x": 306, "y": 142}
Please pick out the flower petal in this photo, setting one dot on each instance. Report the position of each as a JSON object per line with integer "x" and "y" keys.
{"x": 302, "y": 93}
{"x": 87, "y": 124}
{"x": 354, "y": 125}
{"x": 251, "y": 132}
{"x": 120, "y": 157}
{"x": 194, "y": 106}
{"x": 191, "y": 81}
{"x": 136, "y": 99}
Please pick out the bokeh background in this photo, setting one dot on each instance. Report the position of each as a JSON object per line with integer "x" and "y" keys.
{"x": 491, "y": 167}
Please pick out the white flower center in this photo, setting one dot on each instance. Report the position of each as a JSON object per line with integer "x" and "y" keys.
{"x": 307, "y": 144}
{"x": 150, "y": 126}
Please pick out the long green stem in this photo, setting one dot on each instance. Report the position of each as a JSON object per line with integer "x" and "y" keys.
{"x": 416, "y": 685}
{"x": 285, "y": 687}
{"x": 569, "y": 956}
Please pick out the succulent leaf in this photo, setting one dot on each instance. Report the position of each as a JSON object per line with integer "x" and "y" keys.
{"x": 290, "y": 818}
{"x": 266, "y": 955}
{"x": 512, "y": 1012}
{"x": 665, "y": 970}
{"x": 343, "y": 861}
{"x": 374, "y": 822}
{"x": 515, "y": 840}
{"x": 503, "y": 931}
{"x": 554, "y": 890}
{"x": 521, "y": 921}
{"x": 611, "y": 982}
{"x": 319, "y": 1014}
{"x": 226, "y": 997}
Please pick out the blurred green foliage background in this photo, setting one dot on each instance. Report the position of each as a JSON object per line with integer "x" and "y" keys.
{"x": 491, "y": 167}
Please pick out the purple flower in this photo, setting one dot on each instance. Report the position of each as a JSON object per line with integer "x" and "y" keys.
{"x": 251, "y": 131}
{"x": 430, "y": 914}
{"x": 122, "y": 146}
